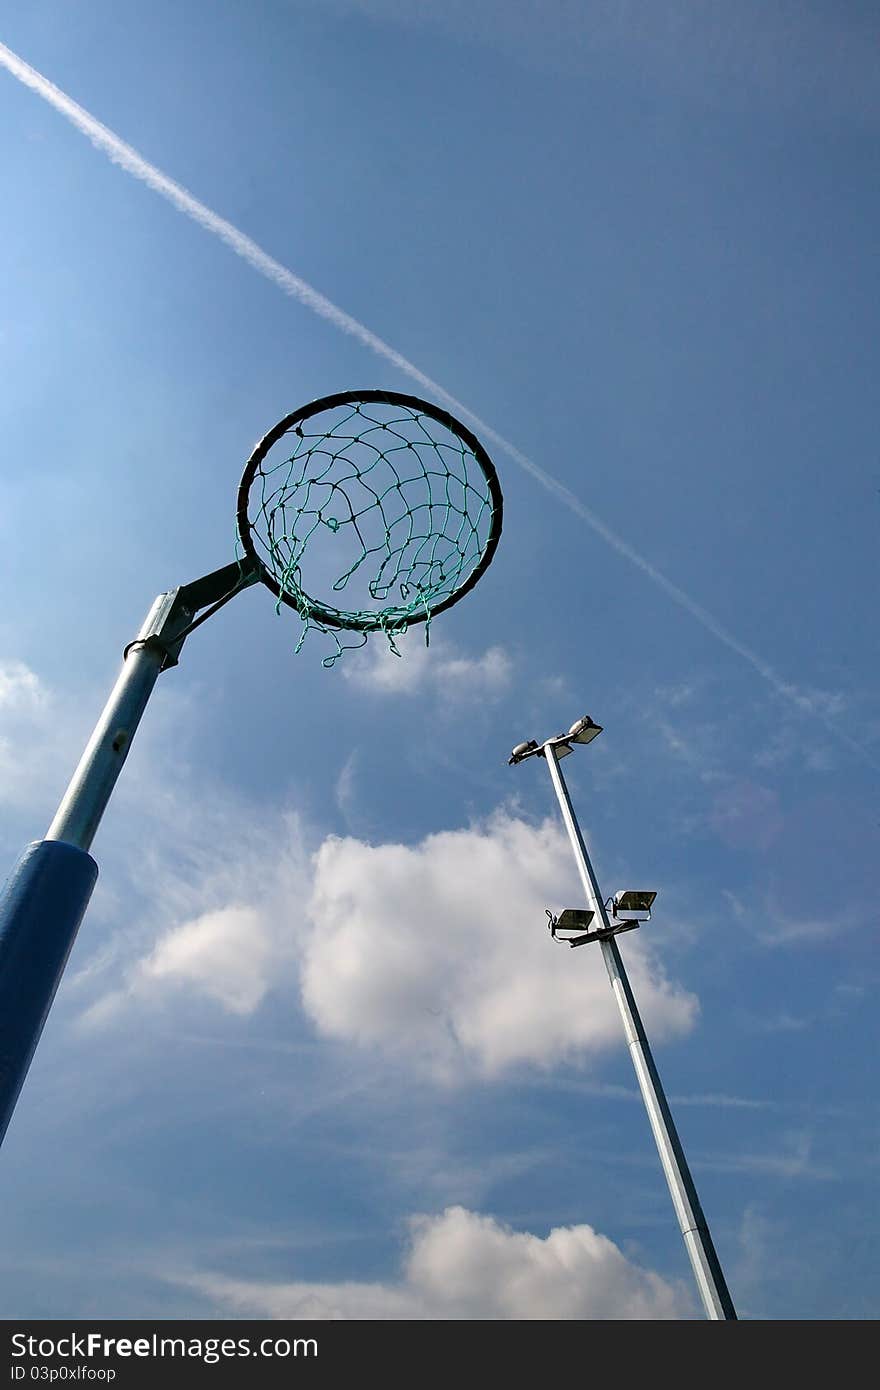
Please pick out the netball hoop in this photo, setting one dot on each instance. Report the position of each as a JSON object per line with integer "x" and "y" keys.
{"x": 365, "y": 512}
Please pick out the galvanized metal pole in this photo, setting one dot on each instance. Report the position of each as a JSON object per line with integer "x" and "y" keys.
{"x": 694, "y": 1228}
{"x": 43, "y": 901}
{"x": 85, "y": 800}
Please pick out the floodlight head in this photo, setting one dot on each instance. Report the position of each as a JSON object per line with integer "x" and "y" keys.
{"x": 633, "y": 904}
{"x": 584, "y": 731}
{"x": 522, "y": 750}
{"x": 574, "y": 919}
{"x": 571, "y": 924}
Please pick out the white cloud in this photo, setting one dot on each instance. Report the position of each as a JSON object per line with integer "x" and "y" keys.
{"x": 31, "y": 738}
{"x": 439, "y": 667}
{"x": 227, "y": 921}
{"x": 462, "y": 1265}
{"x": 225, "y": 954}
{"x": 439, "y": 952}
{"x": 21, "y": 689}
{"x": 436, "y": 954}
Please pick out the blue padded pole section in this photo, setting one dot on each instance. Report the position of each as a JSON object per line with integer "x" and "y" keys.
{"x": 41, "y": 906}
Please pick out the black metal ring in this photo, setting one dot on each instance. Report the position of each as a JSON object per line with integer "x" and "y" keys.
{"x": 329, "y": 616}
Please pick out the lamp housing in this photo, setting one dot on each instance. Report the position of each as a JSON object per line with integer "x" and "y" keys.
{"x": 571, "y": 921}
{"x": 633, "y": 904}
{"x": 584, "y": 731}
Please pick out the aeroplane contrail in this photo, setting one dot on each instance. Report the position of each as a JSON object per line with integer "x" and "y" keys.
{"x": 134, "y": 163}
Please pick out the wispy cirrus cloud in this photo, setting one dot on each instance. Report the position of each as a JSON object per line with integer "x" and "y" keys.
{"x": 21, "y": 689}
{"x": 794, "y": 1159}
{"x": 29, "y": 719}
{"x": 758, "y": 53}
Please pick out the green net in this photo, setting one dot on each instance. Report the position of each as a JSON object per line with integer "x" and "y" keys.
{"x": 374, "y": 513}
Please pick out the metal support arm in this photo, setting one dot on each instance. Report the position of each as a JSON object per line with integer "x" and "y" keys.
{"x": 156, "y": 648}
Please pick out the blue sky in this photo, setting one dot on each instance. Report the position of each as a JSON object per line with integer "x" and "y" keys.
{"x": 314, "y": 1053}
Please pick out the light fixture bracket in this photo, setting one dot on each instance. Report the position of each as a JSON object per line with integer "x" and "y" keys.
{"x": 573, "y": 918}
{"x": 582, "y": 731}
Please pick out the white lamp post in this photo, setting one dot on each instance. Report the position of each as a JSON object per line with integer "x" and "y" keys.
{"x": 629, "y": 909}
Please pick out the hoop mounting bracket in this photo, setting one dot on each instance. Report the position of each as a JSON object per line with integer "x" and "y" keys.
{"x": 172, "y": 617}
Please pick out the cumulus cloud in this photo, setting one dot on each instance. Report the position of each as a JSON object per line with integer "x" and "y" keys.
{"x": 438, "y": 952}
{"x": 461, "y": 1265}
{"x": 227, "y": 922}
{"x": 440, "y": 668}
{"x": 435, "y": 954}
{"x": 225, "y": 954}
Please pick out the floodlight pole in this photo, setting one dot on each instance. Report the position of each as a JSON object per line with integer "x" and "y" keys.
{"x": 45, "y": 897}
{"x": 694, "y": 1228}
